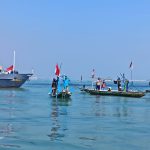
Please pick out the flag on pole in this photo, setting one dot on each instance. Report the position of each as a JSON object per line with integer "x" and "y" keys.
{"x": 9, "y": 69}
{"x": 93, "y": 73}
{"x": 131, "y": 65}
{"x": 57, "y": 70}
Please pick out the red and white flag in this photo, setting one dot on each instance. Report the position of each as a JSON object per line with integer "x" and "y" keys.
{"x": 9, "y": 69}
{"x": 57, "y": 70}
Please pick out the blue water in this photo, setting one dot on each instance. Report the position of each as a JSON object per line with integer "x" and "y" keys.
{"x": 31, "y": 120}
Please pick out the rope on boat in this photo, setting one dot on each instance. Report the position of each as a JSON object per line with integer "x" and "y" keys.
{"x": 132, "y": 87}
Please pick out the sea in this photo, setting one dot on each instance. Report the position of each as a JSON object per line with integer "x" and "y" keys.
{"x": 31, "y": 120}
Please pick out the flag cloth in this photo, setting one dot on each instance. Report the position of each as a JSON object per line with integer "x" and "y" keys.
{"x": 131, "y": 65}
{"x": 57, "y": 70}
{"x": 93, "y": 73}
{"x": 9, "y": 69}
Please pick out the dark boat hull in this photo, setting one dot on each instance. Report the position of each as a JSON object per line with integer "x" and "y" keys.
{"x": 13, "y": 80}
{"x": 63, "y": 95}
{"x": 117, "y": 93}
{"x": 147, "y": 91}
{"x": 84, "y": 90}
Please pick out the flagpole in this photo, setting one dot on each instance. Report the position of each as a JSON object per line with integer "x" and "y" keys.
{"x": 131, "y": 75}
{"x": 14, "y": 63}
{"x": 81, "y": 77}
{"x": 131, "y": 71}
{"x": 93, "y": 75}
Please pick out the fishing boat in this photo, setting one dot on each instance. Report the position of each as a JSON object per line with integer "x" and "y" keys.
{"x": 84, "y": 90}
{"x": 14, "y": 80}
{"x": 63, "y": 95}
{"x": 56, "y": 91}
{"x": 147, "y": 91}
{"x": 10, "y": 78}
{"x": 33, "y": 77}
{"x": 117, "y": 93}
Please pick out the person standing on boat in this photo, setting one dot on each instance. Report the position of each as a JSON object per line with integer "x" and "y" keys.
{"x": 54, "y": 86}
{"x": 66, "y": 83}
{"x": 98, "y": 84}
{"x": 119, "y": 84}
{"x": 126, "y": 85}
{"x": 103, "y": 84}
{"x": 57, "y": 81}
{"x": 58, "y": 85}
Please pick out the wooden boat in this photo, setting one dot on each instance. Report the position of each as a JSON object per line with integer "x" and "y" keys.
{"x": 63, "y": 94}
{"x": 147, "y": 91}
{"x": 84, "y": 90}
{"x": 117, "y": 93}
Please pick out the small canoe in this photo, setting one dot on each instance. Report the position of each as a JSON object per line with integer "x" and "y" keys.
{"x": 117, "y": 93}
{"x": 62, "y": 94}
{"x": 147, "y": 91}
{"x": 84, "y": 90}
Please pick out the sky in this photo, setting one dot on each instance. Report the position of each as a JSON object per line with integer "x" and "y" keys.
{"x": 105, "y": 35}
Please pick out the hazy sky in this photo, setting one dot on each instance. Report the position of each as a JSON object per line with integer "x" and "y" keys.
{"x": 81, "y": 34}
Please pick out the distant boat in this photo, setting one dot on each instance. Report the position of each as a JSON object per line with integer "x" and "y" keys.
{"x": 147, "y": 91}
{"x": 33, "y": 77}
{"x": 11, "y": 78}
{"x": 114, "y": 93}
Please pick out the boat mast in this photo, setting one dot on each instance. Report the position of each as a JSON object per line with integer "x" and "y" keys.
{"x": 131, "y": 75}
{"x": 14, "y": 61}
{"x": 131, "y": 70}
{"x": 93, "y": 76}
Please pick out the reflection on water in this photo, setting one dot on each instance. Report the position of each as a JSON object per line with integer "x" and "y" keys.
{"x": 7, "y": 110}
{"x": 106, "y": 106}
{"x": 7, "y": 90}
{"x": 6, "y": 130}
{"x": 29, "y": 119}
{"x": 121, "y": 111}
{"x": 59, "y": 109}
{"x": 10, "y": 106}
{"x": 98, "y": 108}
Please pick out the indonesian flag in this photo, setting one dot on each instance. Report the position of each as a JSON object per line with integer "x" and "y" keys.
{"x": 9, "y": 69}
{"x": 57, "y": 70}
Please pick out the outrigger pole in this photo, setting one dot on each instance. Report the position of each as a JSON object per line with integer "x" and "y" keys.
{"x": 14, "y": 61}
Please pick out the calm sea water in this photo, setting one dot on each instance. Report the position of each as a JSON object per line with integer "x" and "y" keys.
{"x": 31, "y": 120}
